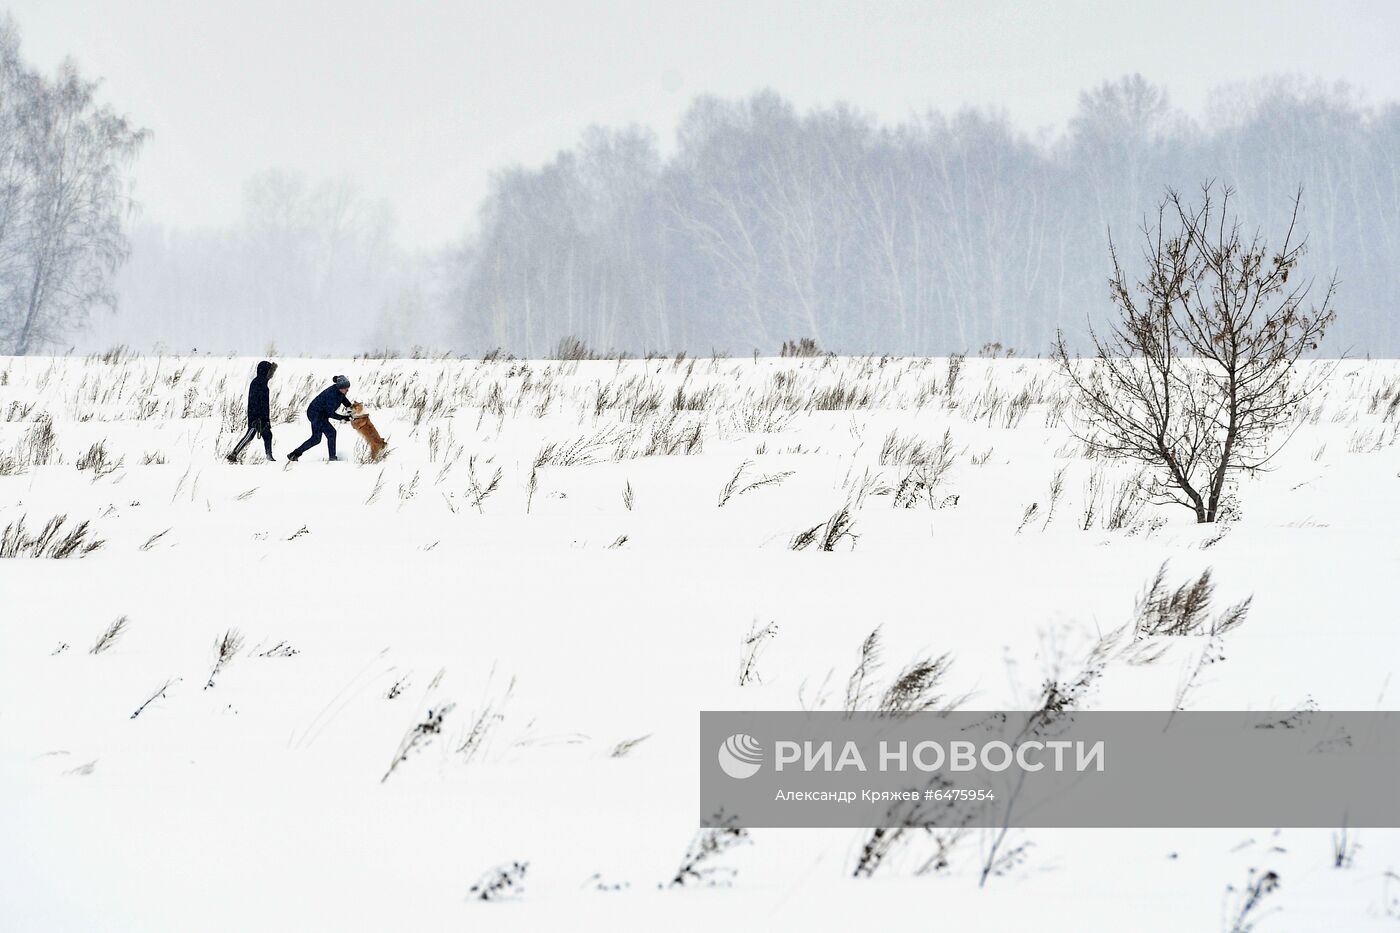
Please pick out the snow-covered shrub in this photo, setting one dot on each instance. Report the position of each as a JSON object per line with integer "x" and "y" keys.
{"x": 224, "y": 651}
{"x": 801, "y": 347}
{"x": 501, "y": 883}
{"x": 109, "y": 636}
{"x": 1185, "y": 610}
{"x": 698, "y": 864}
{"x": 828, "y": 534}
{"x": 40, "y": 442}
{"x": 98, "y": 461}
{"x": 419, "y": 736}
{"x": 754, "y": 643}
{"x": 915, "y": 689}
{"x": 51, "y": 542}
{"x": 1247, "y": 900}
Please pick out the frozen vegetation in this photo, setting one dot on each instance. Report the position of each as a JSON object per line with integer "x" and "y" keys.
{"x": 459, "y": 688}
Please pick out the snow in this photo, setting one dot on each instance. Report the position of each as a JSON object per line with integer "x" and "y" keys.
{"x": 261, "y": 802}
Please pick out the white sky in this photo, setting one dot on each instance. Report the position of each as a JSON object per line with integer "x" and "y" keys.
{"x": 419, "y": 101}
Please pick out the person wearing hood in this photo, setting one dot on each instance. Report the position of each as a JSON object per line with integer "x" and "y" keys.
{"x": 259, "y": 413}
{"x": 322, "y": 409}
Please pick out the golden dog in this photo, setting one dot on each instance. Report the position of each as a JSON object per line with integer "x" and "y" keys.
{"x": 360, "y": 422}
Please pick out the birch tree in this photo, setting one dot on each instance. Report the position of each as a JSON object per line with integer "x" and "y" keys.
{"x": 64, "y": 199}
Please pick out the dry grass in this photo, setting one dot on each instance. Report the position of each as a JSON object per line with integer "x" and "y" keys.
{"x": 52, "y": 541}
{"x": 109, "y": 636}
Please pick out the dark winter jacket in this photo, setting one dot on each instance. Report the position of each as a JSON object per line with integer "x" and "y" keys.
{"x": 324, "y": 405}
{"x": 259, "y": 412}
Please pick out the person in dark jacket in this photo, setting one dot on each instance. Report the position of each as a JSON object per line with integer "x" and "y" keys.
{"x": 322, "y": 409}
{"x": 259, "y": 413}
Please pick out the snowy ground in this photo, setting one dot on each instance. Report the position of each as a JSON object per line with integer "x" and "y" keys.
{"x": 604, "y": 597}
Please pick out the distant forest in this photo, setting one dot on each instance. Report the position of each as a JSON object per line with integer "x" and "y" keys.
{"x": 763, "y": 223}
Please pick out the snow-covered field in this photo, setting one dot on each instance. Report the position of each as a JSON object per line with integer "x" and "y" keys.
{"x": 544, "y": 572}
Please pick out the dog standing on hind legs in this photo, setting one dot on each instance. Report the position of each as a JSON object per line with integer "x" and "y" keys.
{"x": 361, "y": 423}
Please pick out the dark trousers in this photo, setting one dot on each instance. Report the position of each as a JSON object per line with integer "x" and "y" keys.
{"x": 255, "y": 428}
{"x": 320, "y": 427}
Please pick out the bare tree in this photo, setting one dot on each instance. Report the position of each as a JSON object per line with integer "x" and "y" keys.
{"x": 63, "y": 160}
{"x": 1200, "y": 369}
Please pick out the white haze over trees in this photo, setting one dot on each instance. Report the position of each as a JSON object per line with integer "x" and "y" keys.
{"x": 943, "y": 233}
{"x": 938, "y": 235}
{"x": 311, "y": 267}
{"x": 63, "y": 197}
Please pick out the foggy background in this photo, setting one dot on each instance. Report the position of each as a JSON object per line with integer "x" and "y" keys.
{"x": 897, "y": 177}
